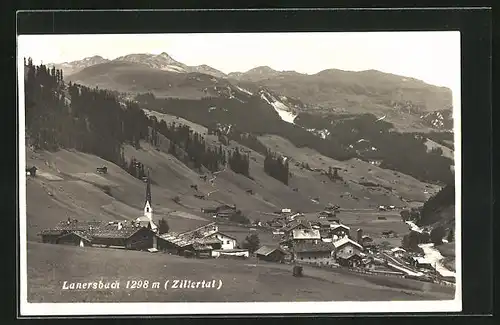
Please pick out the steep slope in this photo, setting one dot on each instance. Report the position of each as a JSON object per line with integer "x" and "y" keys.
{"x": 67, "y": 185}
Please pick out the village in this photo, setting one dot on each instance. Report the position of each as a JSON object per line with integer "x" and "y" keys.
{"x": 318, "y": 240}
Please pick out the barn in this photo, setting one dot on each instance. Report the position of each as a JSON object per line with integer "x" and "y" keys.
{"x": 129, "y": 236}
{"x": 75, "y": 238}
{"x": 270, "y": 254}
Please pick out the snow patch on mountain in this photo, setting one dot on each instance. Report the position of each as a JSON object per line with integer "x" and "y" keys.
{"x": 285, "y": 113}
{"x": 245, "y": 91}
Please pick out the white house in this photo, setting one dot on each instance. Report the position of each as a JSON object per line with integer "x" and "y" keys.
{"x": 228, "y": 242}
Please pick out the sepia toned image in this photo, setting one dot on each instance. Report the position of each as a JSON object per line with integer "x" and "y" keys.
{"x": 302, "y": 172}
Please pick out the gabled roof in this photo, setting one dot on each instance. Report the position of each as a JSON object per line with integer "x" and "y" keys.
{"x": 321, "y": 222}
{"x": 333, "y": 227}
{"x": 294, "y": 224}
{"x": 306, "y": 234}
{"x": 266, "y": 250}
{"x": 223, "y": 234}
{"x": 112, "y": 231}
{"x": 344, "y": 241}
{"x": 310, "y": 247}
{"x": 80, "y": 234}
{"x": 200, "y": 235}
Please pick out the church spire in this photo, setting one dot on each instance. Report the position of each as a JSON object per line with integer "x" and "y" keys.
{"x": 148, "y": 210}
{"x": 148, "y": 190}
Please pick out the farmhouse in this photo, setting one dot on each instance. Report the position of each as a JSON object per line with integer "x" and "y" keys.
{"x": 204, "y": 240}
{"x": 75, "y": 238}
{"x": 309, "y": 252}
{"x": 347, "y": 252}
{"x": 271, "y": 254}
{"x": 63, "y": 228}
{"x": 306, "y": 236}
{"x": 119, "y": 234}
{"x": 296, "y": 224}
{"x": 124, "y": 235}
{"x": 339, "y": 231}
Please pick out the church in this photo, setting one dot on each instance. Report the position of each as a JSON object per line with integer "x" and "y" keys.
{"x": 146, "y": 220}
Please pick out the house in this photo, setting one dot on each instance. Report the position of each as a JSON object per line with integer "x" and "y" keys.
{"x": 296, "y": 224}
{"x": 204, "y": 240}
{"x": 398, "y": 252}
{"x": 270, "y": 254}
{"x": 339, "y": 231}
{"x": 52, "y": 235}
{"x": 75, "y": 238}
{"x": 306, "y": 235}
{"x": 348, "y": 252}
{"x": 124, "y": 235}
{"x": 228, "y": 242}
{"x": 310, "y": 252}
{"x": 320, "y": 224}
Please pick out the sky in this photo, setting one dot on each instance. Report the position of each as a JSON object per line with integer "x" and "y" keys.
{"x": 433, "y": 57}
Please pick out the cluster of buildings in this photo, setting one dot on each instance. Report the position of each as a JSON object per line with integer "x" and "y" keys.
{"x": 322, "y": 241}
{"x": 143, "y": 233}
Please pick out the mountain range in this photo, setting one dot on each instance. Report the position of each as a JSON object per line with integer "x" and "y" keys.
{"x": 408, "y": 103}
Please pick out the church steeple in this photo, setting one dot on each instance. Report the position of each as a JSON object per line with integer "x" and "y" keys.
{"x": 148, "y": 190}
{"x": 148, "y": 210}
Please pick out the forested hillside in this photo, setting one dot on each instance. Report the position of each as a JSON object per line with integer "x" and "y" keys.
{"x": 95, "y": 121}
{"x": 345, "y": 136}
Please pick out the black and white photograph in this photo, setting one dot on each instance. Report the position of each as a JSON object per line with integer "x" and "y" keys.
{"x": 194, "y": 173}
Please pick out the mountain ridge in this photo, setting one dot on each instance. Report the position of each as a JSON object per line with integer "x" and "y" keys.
{"x": 407, "y": 102}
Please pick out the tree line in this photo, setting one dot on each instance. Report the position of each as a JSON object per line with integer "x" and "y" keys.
{"x": 96, "y": 121}
{"x": 277, "y": 167}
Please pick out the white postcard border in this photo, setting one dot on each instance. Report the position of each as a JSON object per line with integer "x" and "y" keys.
{"x": 193, "y": 308}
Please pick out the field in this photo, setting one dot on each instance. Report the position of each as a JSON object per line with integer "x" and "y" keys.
{"x": 67, "y": 185}
{"x": 242, "y": 280}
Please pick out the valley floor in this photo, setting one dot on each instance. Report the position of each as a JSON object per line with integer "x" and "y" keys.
{"x": 242, "y": 280}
